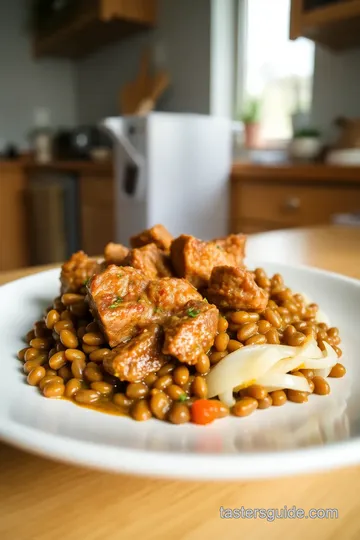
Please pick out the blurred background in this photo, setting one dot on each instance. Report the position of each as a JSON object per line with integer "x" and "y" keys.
{"x": 282, "y": 74}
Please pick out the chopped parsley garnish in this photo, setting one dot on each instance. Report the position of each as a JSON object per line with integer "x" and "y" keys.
{"x": 183, "y": 398}
{"x": 87, "y": 281}
{"x": 219, "y": 247}
{"x": 116, "y": 302}
{"x": 120, "y": 274}
{"x": 158, "y": 310}
{"x": 192, "y": 312}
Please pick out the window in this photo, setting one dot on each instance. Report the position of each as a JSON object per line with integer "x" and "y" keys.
{"x": 275, "y": 70}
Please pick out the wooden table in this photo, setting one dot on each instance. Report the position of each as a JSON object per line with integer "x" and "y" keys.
{"x": 44, "y": 500}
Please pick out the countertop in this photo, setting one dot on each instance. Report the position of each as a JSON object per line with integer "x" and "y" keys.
{"x": 81, "y": 166}
{"x": 44, "y": 500}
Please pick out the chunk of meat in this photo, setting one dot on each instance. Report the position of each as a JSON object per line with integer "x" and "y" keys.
{"x": 194, "y": 259}
{"x": 234, "y": 245}
{"x": 124, "y": 300}
{"x": 157, "y": 235}
{"x": 150, "y": 260}
{"x": 134, "y": 360}
{"x": 115, "y": 253}
{"x": 76, "y": 271}
{"x": 118, "y": 302}
{"x": 191, "y": 332}
{"x": 232, "y": 287}
{"x": 168, "y": 295}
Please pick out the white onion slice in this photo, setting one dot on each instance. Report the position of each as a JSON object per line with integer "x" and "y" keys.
{"x": 227, "y": 398}
{"x": 244, "y": 366}
{"x": 328, "y": 355}
{"x": 276, "y": 381}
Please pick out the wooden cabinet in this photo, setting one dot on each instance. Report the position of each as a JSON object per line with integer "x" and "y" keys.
{"x": 266, "y": 198}
{"x": 97, "y": 212}
{"x": 81, "y": 27}
{"x": 13, "y": 236}
{"x": 336, "y": 25}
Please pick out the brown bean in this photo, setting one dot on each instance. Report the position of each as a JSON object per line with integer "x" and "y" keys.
{"x": 81, "y": 331}
{"x": 54, "y": 389}
{"x": 278, "y": 398}
{"x": 265, "y": 403}
{"x": 257, "y": 339}
{"x": 311, "y": 386}
{"x": 298, "y": 374}
{"x": 92, "y": 372}
{"x": 337, "y": 371}
{"x": 239, "y": 317}
{"x": 338, "y": 351}
{"x": 309, "y": 373}
{"x": 50, "y": 371}
{"x": 77, "y": 368}
{"x": 31, "y": 364}
{"x": 71, "y": 387}
{"x": 333, "y": 332}
{"x": 256, "y": 391}
{"x": 94, "y": 339}
{"x": 35, "y": 375}
{"x": 68, "y": 299}
{"x": 203, "y": 364}
{"x": 79, "y": 310}
{"x": 40, "y": 330}
{"x": 323, "y": 326}
{"x": 122, "y": 401}
{"x": 199, "y": 387}
{"x": 222, "y": 324}
{"x": 32, "y": 354}
{"x": 49, "y": 378}
{"x": 42, "y": 344}
{"x": 179, "y": 413}
{"x": 58, "y": 360}
{"x": 188, "y": 384}
{"x": 272, "y": 336}
{"x": 222, "y": 410}
{"x": 289, "y": 331}
{"x": 175, "y": 392}
{"x": 140, "y": 410}
{"x": 263, "y": 282}
{"x": 69, "y": 339}
{"x": 138, "y": 390}
{"x": 300, "y": 325}
{"x": 104, "y": 388}
{"x": 263, "y": 326}
{"x": 52, "y": 318}
{"x": 29, "y": 336}
{"x": 92, "y": 327}
{"x": 245, "y": 406}
{"x": 164, "y": 370}
{"x": 181, "y": 375}
{"x": 246, "y": 331}
{"x": 233, "y": 345}
{"x": 321, "y": 386}
{"x": 160, "y": 405}
{"x": 215, "y": 357}
{"x": 21, "y": 354}
{"x": 297, "y": 339}
{"x": 221, "y": 341}
{"x": 273, "y": 317}
{"x": 74, "y": 354}
{"x": 63, "y": 325}
{"x": 99, "y": 355}
{"x": 67, "y": 316}
{"x": 87, "y": 396}
{"x": 296, "y": 396}
{"x": 163, "y": 382}
{"x": 150, "y": 379}
{"x": 65, "y": 373}
{"x": 88, "y": 349}
{"x": 283, "y": 295}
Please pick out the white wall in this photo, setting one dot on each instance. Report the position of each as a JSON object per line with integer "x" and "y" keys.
{"x": 336, "y": 87}
{"x": 26, "y": 84}
{"x": 181, "y": 44}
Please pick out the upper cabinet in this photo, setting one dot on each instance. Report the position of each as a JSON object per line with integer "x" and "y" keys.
{"x": 333, "y": 23}
{"x": 75, "y": 28}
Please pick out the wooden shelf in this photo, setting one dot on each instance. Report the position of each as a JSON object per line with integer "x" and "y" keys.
{"x": 107, "y": 21}
{"x": 336, "y": 26}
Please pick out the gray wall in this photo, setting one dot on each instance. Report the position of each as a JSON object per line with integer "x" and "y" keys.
{"x": 26, "y": 84}
{"x": 181, "y": 44}
{"x": 336, "y": 87}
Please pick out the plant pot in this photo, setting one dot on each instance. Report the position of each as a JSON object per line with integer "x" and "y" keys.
{"x": 252, "y": 135}
{"x": 305, "y": 148}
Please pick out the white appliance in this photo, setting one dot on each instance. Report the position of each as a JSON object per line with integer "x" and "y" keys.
{"x": 171, "y": 169}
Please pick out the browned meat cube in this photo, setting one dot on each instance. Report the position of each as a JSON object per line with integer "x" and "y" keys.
{"x": 115, "y": 253}
{"x": 150, "y": 260}
{"x": 134, "y": 360}
{"x": 194, "y": 260}
{"x": 234, "y": 245}
{"x": 191, "y": 332}
{"x": 156, "y": 235}
{"x": 118, "y": 300}
{"x": 232, "y": 287}
{"x": 76, "y": 271}
{"x": 168, "y": 295}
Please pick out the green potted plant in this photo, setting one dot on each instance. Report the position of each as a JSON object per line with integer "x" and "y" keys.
{"x": 251, "y": 120}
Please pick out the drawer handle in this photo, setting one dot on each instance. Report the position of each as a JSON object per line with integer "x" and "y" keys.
{"x": 292, "y": 203}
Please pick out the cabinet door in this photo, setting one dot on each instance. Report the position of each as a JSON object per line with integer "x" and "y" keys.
{"x": 297, "y": 8}
{"x": 97, "y": 207}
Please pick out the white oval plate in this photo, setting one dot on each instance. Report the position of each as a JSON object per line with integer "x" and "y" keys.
{"x": 321, "y": 434}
